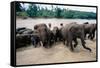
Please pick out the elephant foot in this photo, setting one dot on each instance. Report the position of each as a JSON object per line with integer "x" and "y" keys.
{"x": 91, "y": 38}
{"x": 34, "y": 46}
{"x": 72, "y": 50}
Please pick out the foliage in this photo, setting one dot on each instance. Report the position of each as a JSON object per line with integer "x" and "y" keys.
{"x": 41, "y": 12}
{"x": 32, "y": 11}
{"x": 18, "y": 7}
{"x": 22, "y": 14}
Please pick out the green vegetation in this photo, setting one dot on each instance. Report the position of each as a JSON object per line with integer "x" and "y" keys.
{"x": 35, "y": 11}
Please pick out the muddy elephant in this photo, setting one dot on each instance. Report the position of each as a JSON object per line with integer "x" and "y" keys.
{"x": 40, "y": 25}
{"x": 35, "y": 38}
{"x": 90, "y": 30}
{"x": 45, "y": 34}
{"x": 24, "y": 30}
{"x": 71, "y": 32}
{"x": 27, "y": 31}
{"x": 19, "y": 29}
{"x": 22, "y": 40}
{"x": 56, "y": 34}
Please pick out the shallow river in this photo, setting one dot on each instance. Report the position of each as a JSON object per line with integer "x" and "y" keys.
{"x": 30, "y": 22}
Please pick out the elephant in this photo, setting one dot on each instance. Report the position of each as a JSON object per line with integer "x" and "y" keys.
{"x": 19, "y": 29}
{"x": 27, "y": 31}
{"x": 24, "y": 31}
{"x": 56, "y": 34}
{"x": 40, "y": 25}
{"x": 45, "y": 34}
{"x": 90, "y": 29}
{"x": 71, "y": 32}
{"x": 22, "y": 40}
{"x": 35, "y": 38}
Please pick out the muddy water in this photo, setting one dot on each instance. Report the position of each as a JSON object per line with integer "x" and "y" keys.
{"x": 59, "y": 52}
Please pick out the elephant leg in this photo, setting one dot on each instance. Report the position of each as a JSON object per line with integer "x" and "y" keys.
{"x": 35, "y": 45}
{"x": 72, "y": 49}
{"x": 85, "y": 35}
{"x": 83, "y": 44}
{"x": 45, "y": 44}
{"x": 70, "y": 41}
{"x": 55, "y": 40}
{"x": 93, "y": 35}
{"x": 49, "y": 43}
{"x": 89, "y": 36}
{"x": 67, "y": 43}
{"x": 64, "y": 41}
{"x": 40, "y": 43}
{"x": 75, "y": 40}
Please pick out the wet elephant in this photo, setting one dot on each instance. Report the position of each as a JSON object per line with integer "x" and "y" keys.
{"x": 40, "y": 25}
{"x": 28, "y": 31}
{"x": 56, "y": 33}
{"x": 19, "y": 29}
{"x": 71, "y": 32}
{"x": 24, "y": 31}
{"x": 90, "y": 29}
{"x": 22, "y": 40}
{"x": 35, "y": 38}
{"x": 44, "y": 33}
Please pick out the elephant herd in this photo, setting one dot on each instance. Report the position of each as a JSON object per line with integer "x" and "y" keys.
{"x": 42, "y": 35}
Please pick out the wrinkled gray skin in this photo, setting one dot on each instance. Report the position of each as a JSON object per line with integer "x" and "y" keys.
{"x": 71, "y": 32}
{"x": 90, "y": 29}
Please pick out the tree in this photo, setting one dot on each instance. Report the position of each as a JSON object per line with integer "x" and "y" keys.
{"x": 18, "y": 7}
{"x": 58, "y": 12}
{"x": 32, "y": 10}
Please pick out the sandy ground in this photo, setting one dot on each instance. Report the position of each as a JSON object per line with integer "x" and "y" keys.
{"x": 57, "y": 54}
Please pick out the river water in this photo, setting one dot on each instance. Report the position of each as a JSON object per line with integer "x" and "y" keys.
{"x": 30, "y": 22}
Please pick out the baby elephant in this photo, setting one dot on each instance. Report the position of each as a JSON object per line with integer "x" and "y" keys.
{"x": 35, "y": 39}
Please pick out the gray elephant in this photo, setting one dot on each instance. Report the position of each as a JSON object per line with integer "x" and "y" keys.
{"x": 35, "y": 38}
{"x": 57, "y": 34}
{"x": 27, "y": 31}
{"x": 40, "y": 25}
{"x": 24, "y": 30}
{"x": 45, "y": 34}
{"x": 71, "y": 32}
{"x": 90, "y": 29}
{"x": 22, "y": 40}
{"x": 19, "y": 29}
